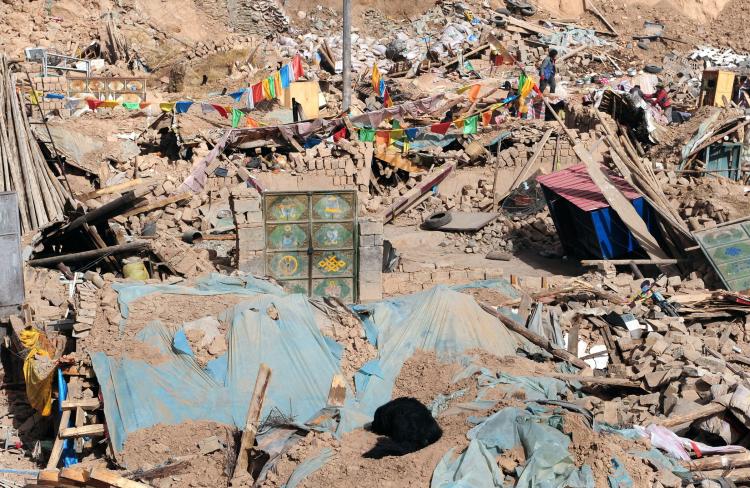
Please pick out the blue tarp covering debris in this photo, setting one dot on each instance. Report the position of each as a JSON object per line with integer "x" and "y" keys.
{"x": 174, "y": 388}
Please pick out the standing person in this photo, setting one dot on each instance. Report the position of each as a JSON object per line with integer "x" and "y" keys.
{"x": 661, "y": 99}
{"x": 743, "y": 94}
{"x": 547, "y": 72}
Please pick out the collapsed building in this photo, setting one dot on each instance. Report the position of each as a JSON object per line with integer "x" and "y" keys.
{"x": 217, "y": 268}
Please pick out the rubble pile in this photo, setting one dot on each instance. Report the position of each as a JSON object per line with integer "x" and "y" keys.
{"x": 230, "y": 272}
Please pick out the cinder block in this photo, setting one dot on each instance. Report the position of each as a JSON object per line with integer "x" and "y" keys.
{"x": 251, "y": 238}
{"x": 371, "y": 261}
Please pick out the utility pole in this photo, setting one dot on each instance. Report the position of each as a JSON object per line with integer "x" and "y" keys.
{"x": 347, "y": 61}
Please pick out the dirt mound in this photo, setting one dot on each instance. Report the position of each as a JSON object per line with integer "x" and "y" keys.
{"x": 207, "y": 449}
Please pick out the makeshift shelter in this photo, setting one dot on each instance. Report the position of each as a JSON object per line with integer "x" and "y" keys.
{"x": 588, "y": 228}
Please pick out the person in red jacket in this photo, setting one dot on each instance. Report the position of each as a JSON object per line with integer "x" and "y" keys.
{"x": 661, "y": 99}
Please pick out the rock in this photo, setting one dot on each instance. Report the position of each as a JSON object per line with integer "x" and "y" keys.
{"x": 210, "y": 444}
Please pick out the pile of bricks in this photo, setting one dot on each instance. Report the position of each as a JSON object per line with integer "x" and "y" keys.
{"x": 422, "y": 276}
{"x": 347, "y": 163}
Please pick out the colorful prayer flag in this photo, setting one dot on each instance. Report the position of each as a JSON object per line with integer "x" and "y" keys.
{"x": 486, "y": 118}
{"x": 257, "y": 93}
{"x": 238, "y": 94}
{"x": 440, "y": 128}
{"x": 236, "y": 117}
{"x": 459, "y": 123}
{"x": 474, "y": 92}
{"x": 277, "y": 83}
{"x": 470, "y": 125}
{"x": 375, "y": 78}
{"x": 93, "y": 103}
{"x": 222, "y": 110}
{"x": 383, "y": 137}
{"x": 367, "y": 135}
{"x": 131, "y": 105}
{"x": 387, "y": 101}
{"x": 297, "y": 68}
{"x": 182, "y": 107}
{"x": 285, "y": 74}
{"x": 166, "y": 106}
{"x": 411, "y": 133}
{"x": 340, "y": 134}
{"x": 251, "y": 122}
{"x": 110, "y": 104}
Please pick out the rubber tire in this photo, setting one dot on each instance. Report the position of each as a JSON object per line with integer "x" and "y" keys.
{"x": 528, "y": 11}
{"x": 653, "y": 69}
{"x": 503, "y": 10}
{"x": 437, "y": 220}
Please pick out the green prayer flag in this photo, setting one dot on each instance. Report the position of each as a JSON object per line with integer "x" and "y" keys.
{"x": 236, "y": 117}
{"x": 470, "y": 124}
{"x": 468, "y": 66}
{"x": 131, "y": 105}
{"x": 395, "y": 124}
{"x": 367, "y": 135}
{"x": 272, "y": 87}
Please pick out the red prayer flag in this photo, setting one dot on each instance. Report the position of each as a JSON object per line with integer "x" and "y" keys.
{"x": 441, "y": 128}
{"x": 93, "y": 103}
{"x": 338, "y": 135}
{"x": 297, "y": 68}
{"x": 257, "y": 93}
{"x": 222, "y": 110}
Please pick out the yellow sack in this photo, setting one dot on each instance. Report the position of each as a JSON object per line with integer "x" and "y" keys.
{"x": 38, "y": 373}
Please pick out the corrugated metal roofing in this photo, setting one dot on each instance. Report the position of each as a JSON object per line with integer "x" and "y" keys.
{"x": 575, "y": 185}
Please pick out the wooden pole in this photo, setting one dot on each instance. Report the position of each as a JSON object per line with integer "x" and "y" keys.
{"x": 251, "y": 422}
{"x": 701, "y": 412}
{"x": 347, "y": 57}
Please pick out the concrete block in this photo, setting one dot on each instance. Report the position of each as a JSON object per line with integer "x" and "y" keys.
{"x": 370, "y": 226}
{"x": 242, "y": 205}
{"x": 251, "y": 238}
{"x": 370, "y": 259}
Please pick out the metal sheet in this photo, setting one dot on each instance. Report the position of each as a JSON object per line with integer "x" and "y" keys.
{"x": 11, "y": 271}
{"x": 468, "y": 221}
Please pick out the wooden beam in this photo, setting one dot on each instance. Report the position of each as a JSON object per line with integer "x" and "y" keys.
{"x": 57, "y": 447}
{"x": 597, "y": 380}
{"x": 734, "y": 475}
{"x": 115, "y": 188}
{"x": 74, "y": 473}
{"x": 537, "y": 29}
{"x": 91, "y": 430}
{"x": 697, "y": 413}
{"x": 540, "y": 341}
{"x": 94, "y": 253}
{"x": 159, "y": 204}
{"x": 253, "y": 417}
{"x": 722, "y": 461}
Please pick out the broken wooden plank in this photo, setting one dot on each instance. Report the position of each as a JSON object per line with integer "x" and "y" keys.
{"x": 159, "y": 204}
{"x": 76, "y": 474}
{"x": 337, "y": 393}
{"x": 253, "y": 417}
{"x": 697, "y": 413}
{"x": 591, "y": 7}
{"x": 57, "y": 447}
{"x": 90, "y": 430}
{"x": 103, "y": 475}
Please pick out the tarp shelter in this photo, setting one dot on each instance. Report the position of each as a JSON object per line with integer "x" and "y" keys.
{"x": 588, "y": 228}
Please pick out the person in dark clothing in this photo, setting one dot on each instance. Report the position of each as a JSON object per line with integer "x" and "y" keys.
{"x": 661, "y": 99}
{"x": 448, "y": 117}
{"x": 547, "y": 72}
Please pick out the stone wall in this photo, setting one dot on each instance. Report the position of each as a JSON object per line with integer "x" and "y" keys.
{"x": 370, "y": 259}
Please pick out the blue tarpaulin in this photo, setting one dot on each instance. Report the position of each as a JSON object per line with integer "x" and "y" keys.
{"x": 173, "y": 388}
